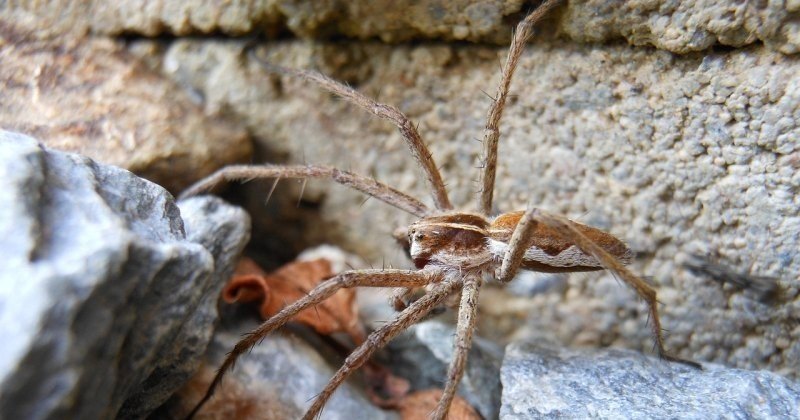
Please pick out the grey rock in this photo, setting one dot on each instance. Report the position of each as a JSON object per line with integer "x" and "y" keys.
{"x": 277, "y": 379}
{"x": 223, "y": 230}
{"x": 544, "y": 381}
{"x": 423, "y": 354}
{"x": 105, "y": 302}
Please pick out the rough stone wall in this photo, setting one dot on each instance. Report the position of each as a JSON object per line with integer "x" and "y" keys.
{"x": 677, "y": 155}
{"x": 677, "y": 26}
{"x": 91, "y": 96}
{"x": 675, "y": 145}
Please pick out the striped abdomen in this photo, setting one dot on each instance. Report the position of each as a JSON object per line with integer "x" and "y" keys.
{"x": 548, "y": 252}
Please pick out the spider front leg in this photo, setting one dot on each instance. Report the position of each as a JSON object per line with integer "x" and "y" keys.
{"x": 492, "y": 131}
{"x": 381, "y": 336}
{"x": 357, "y": 278}
{"x": 360, "y": 183}
{"x": 467, "y": 313}
{"x": 390, "y": 113}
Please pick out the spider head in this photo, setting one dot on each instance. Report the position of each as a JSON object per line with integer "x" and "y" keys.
{"x": 449, "y": 240}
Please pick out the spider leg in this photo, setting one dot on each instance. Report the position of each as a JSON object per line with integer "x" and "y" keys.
{"x": 380, "y": 337}
{"x": 492, "y": 132}
{"x": 401, "y": 297}
{"x": 356, "y": 278}
{"x": 467, "y": 313}
{"x": 567, "y": 229}
{"x": 517, "y": 246}
{"x": 387, "y": 112}
{"x": 361, "y": 183}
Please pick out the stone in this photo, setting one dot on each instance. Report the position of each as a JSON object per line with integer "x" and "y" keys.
{"x": 107, "y": 295}
{"x": 277, "y": 379}
{"x": 92, "y": 97}
{"x": 423, "y": 354}
{"x": 223, "y": 230}
{"x": 676, "y": 155}
{"x": 685, "y": 26}
{"x": 391, "y": 21}
{"x": 546, "y": 381}
{"x": 680, "y": 27}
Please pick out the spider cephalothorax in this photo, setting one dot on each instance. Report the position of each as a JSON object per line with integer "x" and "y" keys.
{"x": 452, "y": 251}
{"x": 457, "y": 240}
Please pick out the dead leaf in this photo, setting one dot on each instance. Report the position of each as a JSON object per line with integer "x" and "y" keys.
{"x": 419, "y": 406}
{"x": 338, "y": 313}
{"x": 272, "y": 292}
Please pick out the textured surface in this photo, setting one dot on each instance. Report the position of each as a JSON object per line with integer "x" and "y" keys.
{"x": 90, "y": 96}
{"x": 626, "y": 384}
{"x": 423, "y": 355}
{"x": 684, "y": 26}
{"x": 388, "y": 20}
{"x": 276, "y": 380}
{"x": 223, "y": 230}
{"x": 678, "y": 26}
{"x": 675, "y": 155}
{"x": 104, "y": 300}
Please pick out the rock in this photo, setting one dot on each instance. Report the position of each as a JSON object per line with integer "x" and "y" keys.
{"x": 277, "y": 379}
{"x": 544, "y": 381}
{"x": 107, "y": 296}
{"x": 685, "y": 26}
{"x": 389, "y": 20}
{"x": 679, "y": 27}
{"x": 92, "y": 97}
{"x": 676, "y": 155}
{"x": 223, "y": 230}
{"x": 422, "y": 355}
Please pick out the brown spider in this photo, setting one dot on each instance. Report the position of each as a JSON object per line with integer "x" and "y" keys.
{"x": 453, "y": 251}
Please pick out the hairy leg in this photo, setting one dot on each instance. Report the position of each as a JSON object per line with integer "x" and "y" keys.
{"x": 380, "y": 337}
{"x": 358, "y": 278}
{"x": 467, "y": 313}
{"x": 566, "y": 229}
{"x": 401, "y": 297}
{"x": 387, "y": 112}
{"x": 517, "y": 246}
{"x": 364, "y": 184}
{"x": 491, "y": 133}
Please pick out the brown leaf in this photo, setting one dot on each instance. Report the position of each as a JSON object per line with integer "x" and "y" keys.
{"x": 419, "y": 406}
{"x": 292, "y": 282}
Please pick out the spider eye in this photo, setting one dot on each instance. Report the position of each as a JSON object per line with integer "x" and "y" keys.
{"x": 419, "y": 236}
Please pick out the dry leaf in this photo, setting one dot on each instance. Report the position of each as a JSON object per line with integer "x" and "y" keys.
{"x": 272, "y": 292}
{"x": 289, "y": 283}
{"x": 419, "y": 406}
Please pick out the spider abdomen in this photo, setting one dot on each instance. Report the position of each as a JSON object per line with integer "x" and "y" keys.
{"x": 548, "y": 251}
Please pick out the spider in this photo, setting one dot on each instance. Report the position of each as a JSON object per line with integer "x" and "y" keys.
{"x": 452, "y": 251}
